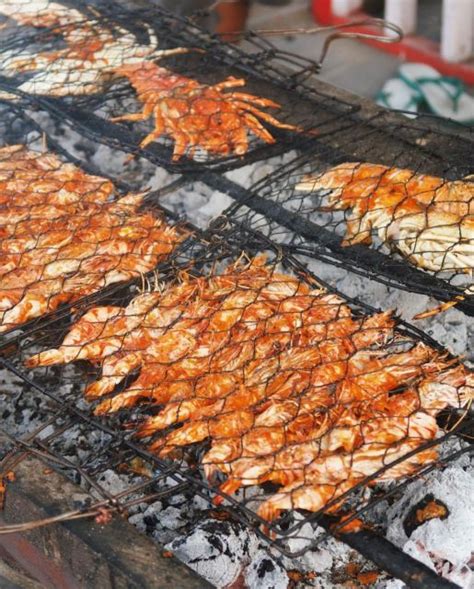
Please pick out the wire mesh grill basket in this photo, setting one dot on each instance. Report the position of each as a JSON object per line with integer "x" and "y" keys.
{"x": 257, "y": 385}
{"x": 388, "y": 199}
{"x": 212, "y": 361}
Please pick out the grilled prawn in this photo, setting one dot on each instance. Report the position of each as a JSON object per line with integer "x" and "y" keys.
{"x": 63, "y": 238}
{"x": 287, "y": 385}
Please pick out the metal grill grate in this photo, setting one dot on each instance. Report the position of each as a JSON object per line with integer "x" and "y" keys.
{"x": 109, "y": 95}
{"x": 63, "y": 388}
{"x": 396, "y": 231}
{"x": 270, "y": 218}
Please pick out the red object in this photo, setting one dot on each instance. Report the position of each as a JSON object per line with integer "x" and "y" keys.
{"x": 322, "y": 12}
{"x": 411, "y": 48}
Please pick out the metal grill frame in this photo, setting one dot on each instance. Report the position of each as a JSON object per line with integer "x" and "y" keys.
{"x": 261, "y": 67}
{"x": 227, "y": 244}
{"x": 217, "y": 235}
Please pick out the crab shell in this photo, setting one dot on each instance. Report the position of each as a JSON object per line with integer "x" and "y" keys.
{"x": 434, "y": 241}
{"x": 195, "y": 115}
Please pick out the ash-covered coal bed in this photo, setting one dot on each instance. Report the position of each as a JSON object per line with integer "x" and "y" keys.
{"x": 202, "y": 192}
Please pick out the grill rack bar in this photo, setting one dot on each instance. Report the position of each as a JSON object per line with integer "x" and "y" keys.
{"x": 263, "y": 65}
{"x": 360, "y": 541}
{"x": 397, "y": 563}
{"x": 323, "y": 243}
{"x": 119, "y": 137}
{"x": 266, "y": 59}
{"x": 362, "y": 260}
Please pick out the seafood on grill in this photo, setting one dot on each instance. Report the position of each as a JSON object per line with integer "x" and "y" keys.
{"x": 40, "y": 13}
{"x": 340, "y": 476}
{"x": 428, "y": 220}
{"x": 284, "y": 382}
{"x": 63, "y": 238}
{"x": 197, "y": 115}
{"x": 92, "y": 50}
{"x": 385, "y": 440}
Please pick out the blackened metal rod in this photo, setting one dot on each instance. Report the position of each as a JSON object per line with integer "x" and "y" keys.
{"x": 394, "y": 561}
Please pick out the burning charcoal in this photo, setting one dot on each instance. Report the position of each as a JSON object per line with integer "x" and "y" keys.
{"x": 176, "y": 500}
{"x": 428, "y": 508}
{"x": 216, "y": 550}
{"x": 442, "y": 544}
{"x": 266, "y": 573}
{"x": 138, "y": 521}
{"x": 171, "y": 518}
{"x": 152, "y": 515}
{"x": 112, "y": 482}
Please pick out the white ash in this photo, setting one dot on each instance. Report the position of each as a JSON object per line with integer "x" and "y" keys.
{"x": 452, "y": 328}
{"x": 224, "y": 552}
{"x": 216, "y": 550}
{"x": 266, "y": 573}
{"x": 167, "y": 520}
{"x": 250, "y": 174}
{"x": 391, "y": 584}
{"x": 197, "y": 203}
{"x": 21, "y": 409}
{"x": 112, "y": 482}
{"x": 445, "y": 545}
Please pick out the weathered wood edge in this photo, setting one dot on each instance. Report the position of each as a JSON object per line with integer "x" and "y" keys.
{"x": 80, "y": 554}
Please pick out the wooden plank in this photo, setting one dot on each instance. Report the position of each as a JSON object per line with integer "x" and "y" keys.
{"x": 79, "y": 554}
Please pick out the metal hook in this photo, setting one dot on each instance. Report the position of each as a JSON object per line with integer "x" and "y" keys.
{"x": 378, "y": 22}
{"x": 338, "y": 34}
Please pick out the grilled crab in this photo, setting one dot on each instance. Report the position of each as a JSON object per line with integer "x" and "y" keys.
{"x": 430, "y": 221}
{"x": 198, "y": 115}
{"x": 39, "y": 13}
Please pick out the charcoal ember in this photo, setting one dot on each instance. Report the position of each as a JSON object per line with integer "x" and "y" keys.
{"x": 320, "y": 558}
{"x": 199, "y": 503}
{"x": 428, "y": 508}
{"x": 266, "y": 572}
{"x": 151, "y": 515}
{"x": 138, "y": 521}
{"x": 445, "y": 545}
{"x": 110, "y": 480}
{"x": 216, "y": 550}
{"x": 171, "y": 518}
{"x": 176, "y": 500}
{"x": 20, "y": 413}
{"x": 391, "y": 584}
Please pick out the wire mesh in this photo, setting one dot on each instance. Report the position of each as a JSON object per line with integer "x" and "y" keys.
{"x": 209, "y": 368}
{"x": 215, "y": 106}
{"x": 261, "y": 386}
{"x": 388, "y": 199}
{"x": 68, "y": 234}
